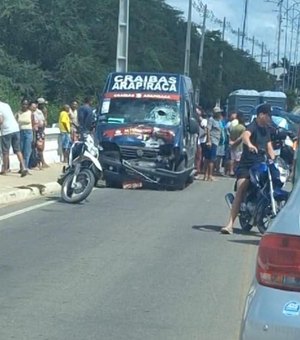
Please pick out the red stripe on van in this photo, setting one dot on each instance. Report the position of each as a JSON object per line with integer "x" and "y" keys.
{"x": 142, "y": 95}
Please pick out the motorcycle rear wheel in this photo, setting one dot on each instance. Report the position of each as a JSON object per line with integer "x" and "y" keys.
{"x": 85, "y": 183}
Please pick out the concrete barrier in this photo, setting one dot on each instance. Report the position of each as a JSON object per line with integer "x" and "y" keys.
{"x": 52, "y": 153}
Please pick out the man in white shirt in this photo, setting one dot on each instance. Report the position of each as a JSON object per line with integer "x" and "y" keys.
{"x": 201, "y": 141}
{"x": 10, "y": 137}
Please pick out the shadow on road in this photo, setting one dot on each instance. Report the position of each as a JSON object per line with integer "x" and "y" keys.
{"x": 207, "y": 227}
{"x": 217, "y": 228}
{"x": 250, "y": 242}
{"x": 52, "y": 198}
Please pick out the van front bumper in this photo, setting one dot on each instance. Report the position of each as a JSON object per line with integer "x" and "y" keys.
{"x": 120, "y": 171}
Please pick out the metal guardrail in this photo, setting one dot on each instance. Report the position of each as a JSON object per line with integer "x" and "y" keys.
{"x": 52, "y": 151}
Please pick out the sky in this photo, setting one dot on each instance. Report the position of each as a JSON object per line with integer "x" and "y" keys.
{"x": 262, "y": 21}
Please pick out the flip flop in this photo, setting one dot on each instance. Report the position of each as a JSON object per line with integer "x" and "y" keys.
{"x": 226, "y": 231}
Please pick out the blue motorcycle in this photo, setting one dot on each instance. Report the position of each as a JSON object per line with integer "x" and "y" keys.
{"x": 265, "y": 195}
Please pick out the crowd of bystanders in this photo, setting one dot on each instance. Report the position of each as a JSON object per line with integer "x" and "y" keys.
{"x": 219, "y": 143}
{"x": 24, "y": 132}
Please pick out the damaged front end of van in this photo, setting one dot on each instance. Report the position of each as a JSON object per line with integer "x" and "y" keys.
{"x": 148, "y": 138}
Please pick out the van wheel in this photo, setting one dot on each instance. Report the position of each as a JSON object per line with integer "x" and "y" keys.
{"x": 190, "y": 179}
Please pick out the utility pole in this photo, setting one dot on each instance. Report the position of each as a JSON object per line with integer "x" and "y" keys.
{"x": 253, "y": 44}
{"x": 295, "y": 70}
{"x": 123, "y": 34}
{"x": 244, "y": 23}
{"x": 269, "y": 59}
{"x": 221, "y": 64}
{"x": 279, "y": 31}
{"x": 262, "y": 54}
{"x": 291, "y": 48}
{"x": 238, "y": 39}
{"x": 200, "y": 60}
{"x": 188, "y": 41}
{"x": 285, "y": 44}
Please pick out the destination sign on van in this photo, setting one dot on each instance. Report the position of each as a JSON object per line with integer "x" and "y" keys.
{"x": 141, "y": 82}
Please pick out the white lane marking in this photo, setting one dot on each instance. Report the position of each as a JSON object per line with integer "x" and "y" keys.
{"x": 25, "y": 210}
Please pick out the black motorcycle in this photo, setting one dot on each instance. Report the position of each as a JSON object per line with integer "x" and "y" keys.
{"x": 264, "y": 197}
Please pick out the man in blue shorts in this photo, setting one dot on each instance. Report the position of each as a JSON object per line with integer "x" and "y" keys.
{"x": 10, "y": 137}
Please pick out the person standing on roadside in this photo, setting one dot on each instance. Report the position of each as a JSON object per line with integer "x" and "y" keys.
{"x": 42, "y": 102}
{"x": 10, "y": 137}
{"x": 212, "y": 142}
{"x": 86, "y": 115}
{"x": 235, "y": 142}
{"x": 231, "y": 123}
{"x": 256, "y": 138}
{"x": 40, "y": 125}
{"x": 25, "y": 120}
{"x": 201, "y": 117}
{"x": 221, "y": 149}
{"x": 64, "y": 124}
{"x": 73, "y": 113}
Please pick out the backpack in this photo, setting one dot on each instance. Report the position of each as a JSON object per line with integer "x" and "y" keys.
{"x": 34, "y": 158}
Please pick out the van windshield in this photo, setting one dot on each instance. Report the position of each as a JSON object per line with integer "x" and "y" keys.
{"x": 141, "y": 111}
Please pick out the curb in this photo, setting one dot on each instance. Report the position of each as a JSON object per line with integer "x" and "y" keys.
{"x": 29, "y": 192}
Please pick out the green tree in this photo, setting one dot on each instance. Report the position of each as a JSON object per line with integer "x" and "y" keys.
{"x": 64, "y": 49}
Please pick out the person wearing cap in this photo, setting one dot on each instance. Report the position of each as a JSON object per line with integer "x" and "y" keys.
{"x": 42, "y": 102}
{"x": 213, "y": 139}
{"x": 257, "y": 137}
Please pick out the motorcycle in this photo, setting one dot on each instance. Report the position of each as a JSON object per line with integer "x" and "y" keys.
{"x": 264, "y": 197}
{"x": 83, "y": 171}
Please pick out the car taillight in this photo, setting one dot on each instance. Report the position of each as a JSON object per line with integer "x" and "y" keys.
{"x": 278, "y": 262}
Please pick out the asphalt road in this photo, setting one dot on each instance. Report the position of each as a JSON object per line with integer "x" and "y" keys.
{"x": 126, "y": 265}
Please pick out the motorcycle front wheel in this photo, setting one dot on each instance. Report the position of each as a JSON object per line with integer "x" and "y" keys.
{"x": 84, "y": 184}
{"x": 244, "y": 220}
{"x": 266, "y": 215}
{"x": 265, "y": 218}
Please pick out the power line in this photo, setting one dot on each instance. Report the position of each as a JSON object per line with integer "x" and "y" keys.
{"x": 199, "y": 6}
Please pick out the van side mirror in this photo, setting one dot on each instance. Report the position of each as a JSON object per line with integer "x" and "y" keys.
{"x": 194, "y": 126}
